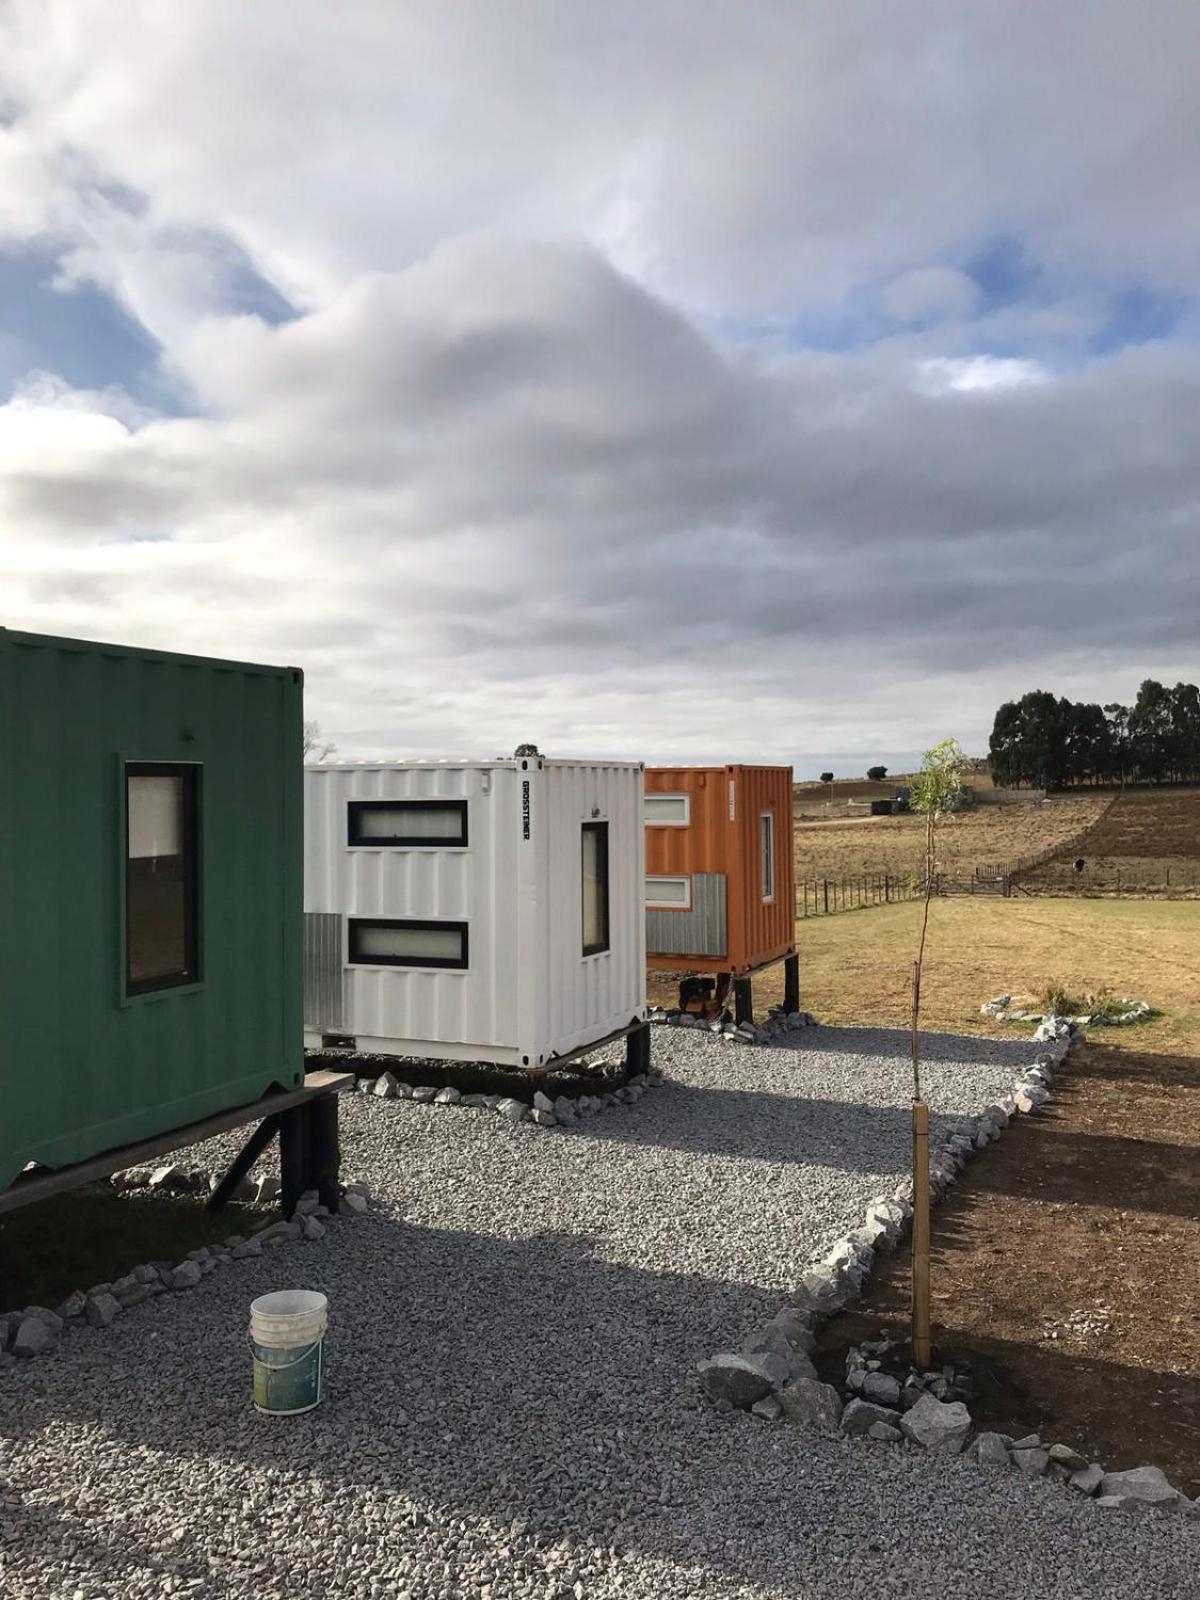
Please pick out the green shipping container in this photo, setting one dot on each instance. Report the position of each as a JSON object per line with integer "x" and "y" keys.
{"x": 150, "y": 893}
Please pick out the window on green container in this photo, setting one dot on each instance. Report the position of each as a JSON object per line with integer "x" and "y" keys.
{"x": 162, "y": 858}
{"x": 595, "y": 887}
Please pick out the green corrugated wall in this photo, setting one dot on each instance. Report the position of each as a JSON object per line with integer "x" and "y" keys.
{"x": 82, "y": 1069}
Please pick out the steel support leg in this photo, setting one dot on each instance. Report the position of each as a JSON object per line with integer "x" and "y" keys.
{"x": 637, "y": 1051}
{"x": 293, "y": 1157}
{"x": 251, "y": 1150}
{"x": 743, "y": 1000}
{"x": 791, "y": 983}
{"x": 324, "y": 1150}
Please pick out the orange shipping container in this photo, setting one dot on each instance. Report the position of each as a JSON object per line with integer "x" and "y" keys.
{"x": 720, "y": 868}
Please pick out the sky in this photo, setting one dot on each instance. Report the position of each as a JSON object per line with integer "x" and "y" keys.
{"x": 644, "y": 380}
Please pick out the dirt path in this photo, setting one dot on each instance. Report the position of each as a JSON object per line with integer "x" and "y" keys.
{"x": 1067, "y": 1260}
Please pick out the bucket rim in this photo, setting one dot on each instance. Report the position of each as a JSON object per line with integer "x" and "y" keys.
{"x": 284, "y": 1305}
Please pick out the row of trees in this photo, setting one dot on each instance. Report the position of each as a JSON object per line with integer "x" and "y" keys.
{"x": 1051, "y": 743}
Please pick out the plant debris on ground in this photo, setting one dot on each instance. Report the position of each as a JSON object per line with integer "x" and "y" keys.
{"x": 1065, "y": 1269}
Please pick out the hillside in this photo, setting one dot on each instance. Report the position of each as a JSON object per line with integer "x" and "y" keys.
{"x": 981, "y": 837}
{"x": 1148, "y": 841}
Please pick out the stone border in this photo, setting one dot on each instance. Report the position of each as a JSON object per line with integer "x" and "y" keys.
{"x": 1138, "y": 1011}
{"x": 773, "y": 1378}
{"x": 562, "y": 1111}
{"x": 778, "y": 1023}
{"x": 36, "y": 1330}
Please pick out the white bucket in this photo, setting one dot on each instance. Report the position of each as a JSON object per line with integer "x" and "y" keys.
{"x": 287, "y": 1333}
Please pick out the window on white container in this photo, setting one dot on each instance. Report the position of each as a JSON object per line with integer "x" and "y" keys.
{"x": 767, "y": 847}
{"x": 667, "y": 810}
{"x": 162, "y": 876}
{"x": 393, "y": 942}
{"x": 431, "y": 824}
{"x": 595, "y": 887}
{"x": 669, "y": 894}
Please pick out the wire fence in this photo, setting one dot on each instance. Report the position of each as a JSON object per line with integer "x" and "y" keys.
{"x": 819, "y": 897}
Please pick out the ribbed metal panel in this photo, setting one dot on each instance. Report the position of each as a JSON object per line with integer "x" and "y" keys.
{"x": 700, "y": 931}
{"x": 723, "y": 836}
{"x": 109, "y": 1068}
{"x": 528, "y": 990}
{"x": 324, "y": 968}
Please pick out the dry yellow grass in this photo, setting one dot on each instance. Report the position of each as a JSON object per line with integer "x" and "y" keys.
{"x": 854, "y": 968}
{"x": 978, "y": 837}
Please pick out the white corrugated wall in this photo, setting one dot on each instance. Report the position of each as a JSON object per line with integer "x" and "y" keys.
{"x": 585, "y": 997}
{"x": 529, "y": 991}
{"x": 475, "y": 1009}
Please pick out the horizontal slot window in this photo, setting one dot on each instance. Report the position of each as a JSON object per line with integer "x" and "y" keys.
{"x": 428, "y": 824}
{"x": 388, "y": 942}
{"x": 669, "y": 894}
{"x": 667, "y": 810}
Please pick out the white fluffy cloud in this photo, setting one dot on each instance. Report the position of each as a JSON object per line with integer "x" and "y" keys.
{"x": 508, "y": 472}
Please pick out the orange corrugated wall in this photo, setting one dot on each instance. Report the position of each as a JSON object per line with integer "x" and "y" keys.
{"x": 758, "y": 932}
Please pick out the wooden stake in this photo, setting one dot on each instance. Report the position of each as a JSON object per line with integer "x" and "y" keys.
{"x": 922, "y": 1342}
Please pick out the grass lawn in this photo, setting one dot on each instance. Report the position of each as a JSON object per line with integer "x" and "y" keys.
{"x": 854, "y": 967}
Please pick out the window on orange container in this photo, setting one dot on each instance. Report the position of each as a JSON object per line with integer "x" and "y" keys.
{"x": 595, "y": 888}
{"x": 669, "y": 894}
{"x": 767, "y": 850}
{"x": 667, "y": 810}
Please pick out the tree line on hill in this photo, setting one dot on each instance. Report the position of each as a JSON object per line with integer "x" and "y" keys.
{"x": 1051, "y": 743}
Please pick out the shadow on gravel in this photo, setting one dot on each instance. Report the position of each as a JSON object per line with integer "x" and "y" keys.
{"x": 894, "y": 1043}
{"x": 761, "y": 1126}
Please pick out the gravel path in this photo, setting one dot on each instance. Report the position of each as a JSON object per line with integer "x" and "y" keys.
{"x": 509, "y": 1406}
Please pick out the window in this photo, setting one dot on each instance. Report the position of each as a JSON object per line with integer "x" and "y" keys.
{"x": 386, "y": 942}
{"x": 669, "y": 894}
{"x": 595, "y": 887}
{"x": 667, "y": 810}
{"x": 162, "y": 924}
{"x": 435, "y": 824}
{"x": 767, "y": 846}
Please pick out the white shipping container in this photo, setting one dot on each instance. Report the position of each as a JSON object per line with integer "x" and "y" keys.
{"x": 474, "y": 911}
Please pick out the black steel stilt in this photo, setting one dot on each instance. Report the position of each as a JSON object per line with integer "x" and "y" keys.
{"x": 791, "y": 983}
{"x": 249, "y": 1154}
{"x": 743, "y": 999}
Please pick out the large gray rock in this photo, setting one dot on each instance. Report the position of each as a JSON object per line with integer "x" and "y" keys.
{"x": 860, "y": 1415}
{"x": 71, "y": 1309}
{"x": 542, "y": 1102}
{"x": 514, "y": 1110}
{"x": 104, "y": 1308}
{"x": 185, "y": 1276}
{"x": 741, "y": 1380}
{"x": 33, "y": 1338}
{"x": 941, "y": 1428}
{"x": 385, "y": 1086}
{"x": 544, "y": 1119}
{"x": 1147, "y": 1484}
{"x": 425, "y": 1093}
{"x": 1088, "y": 1479}
{"x": 170, "y": 1177}
{"x": 989, "y": 1450}
{"x": 882, "y": 1388}
{"x": 816, "y": 1404}
{"x": 1066, "y": 1457}
{"x": 885, "y": 1432}
{"x": 449, "y": 1096}
{"x": 43, "y": 1314}
{"x": 1032, "y": 1463}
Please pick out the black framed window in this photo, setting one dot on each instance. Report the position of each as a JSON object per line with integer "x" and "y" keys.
{"x": 162, "y": 875}
{"x": 436, "y": 824}
{"x": 403, "y": 942}
{"x": 595, "y": 887}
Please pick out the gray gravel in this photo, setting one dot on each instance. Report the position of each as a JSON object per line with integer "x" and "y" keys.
{"x": 509, "y": 1406}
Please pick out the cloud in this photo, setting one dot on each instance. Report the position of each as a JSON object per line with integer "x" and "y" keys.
{"x": 509, "y": 491}
{"x": 432, "y": 291}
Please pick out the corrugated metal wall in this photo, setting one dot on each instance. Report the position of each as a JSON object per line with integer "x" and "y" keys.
{"x": 474, "y": 1008}
{"x": 528, "y": 989}
{"x": 763, "y": 930}
{"x": 587, "y": 997}
{"x": 699, "y": 930}
{"x": 324, "y": 972}
{"x": 722, "y": 837}
{"x": 82, "y": 1068}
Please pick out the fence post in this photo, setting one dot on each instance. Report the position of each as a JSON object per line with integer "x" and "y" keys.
{"x": 826, "y": 883}
{"x": 887, "y": 889}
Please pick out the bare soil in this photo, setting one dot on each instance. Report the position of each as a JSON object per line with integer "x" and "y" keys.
{"x": 1065, "y": 1268}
